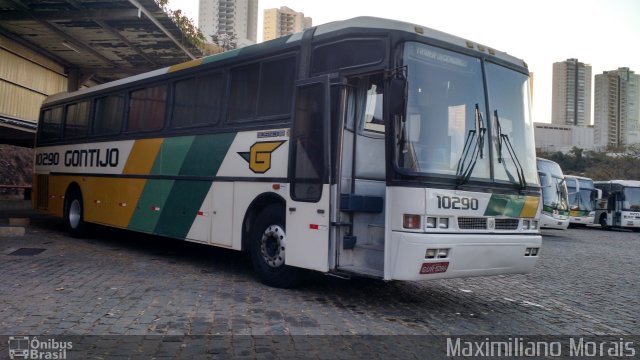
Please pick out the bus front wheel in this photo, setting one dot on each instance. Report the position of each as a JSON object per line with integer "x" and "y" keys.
{"x": 74, "y": 214}
{"x": 268, "y": 248}
{"x": 603, "y": 222}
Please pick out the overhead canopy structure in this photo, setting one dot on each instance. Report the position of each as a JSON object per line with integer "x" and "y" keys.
{"x": 97, "y": 40}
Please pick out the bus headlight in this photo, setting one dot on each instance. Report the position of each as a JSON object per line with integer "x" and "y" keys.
{"x": 526, "y": 225}
{"x": 431, "y": 222}
{"x": 443, "y": 223}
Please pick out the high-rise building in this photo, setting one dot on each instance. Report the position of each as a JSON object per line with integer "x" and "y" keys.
{"x": 283, "y": 21}
{"x": 617, "y": 108}
{"x": 571, "y": 93}
{"x": 229, "y": 17}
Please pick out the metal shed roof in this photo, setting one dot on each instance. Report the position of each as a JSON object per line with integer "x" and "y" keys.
{"x": 104, "y": 39}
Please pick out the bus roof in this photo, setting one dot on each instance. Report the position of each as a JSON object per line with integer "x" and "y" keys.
{"x": 363, "y": 22}
{"x": 627, "y": 183}
{"x": 577, "y": 177}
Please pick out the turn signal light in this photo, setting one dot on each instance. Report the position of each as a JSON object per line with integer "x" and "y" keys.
{"x": 411, "y": 221}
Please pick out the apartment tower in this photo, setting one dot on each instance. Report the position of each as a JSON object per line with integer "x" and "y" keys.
{"x": 230, "y": 17}
{"x": 617, "y": 112}
{"x": 571, "y": 93}
{"x": 283, "y": 21}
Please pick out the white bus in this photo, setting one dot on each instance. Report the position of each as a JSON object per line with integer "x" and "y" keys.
{"x": 582, "y": 200}
{"x": 554, "y": 213}
{"x": 363, "y": 147}
{"x": 619, "y": 205}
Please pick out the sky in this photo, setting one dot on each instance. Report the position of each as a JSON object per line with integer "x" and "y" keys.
{"x": 602, "y": 33}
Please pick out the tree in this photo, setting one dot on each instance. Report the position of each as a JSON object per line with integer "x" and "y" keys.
{"x": 225, "y": 42}
{"x": 185, "y": 24}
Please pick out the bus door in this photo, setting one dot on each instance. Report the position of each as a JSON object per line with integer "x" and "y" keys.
{"x": 307, "y": 219}
{"x": 361, "y": 218}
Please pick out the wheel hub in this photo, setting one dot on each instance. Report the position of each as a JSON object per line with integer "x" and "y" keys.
{"x": 75, "y": 212}
{"x": 272, "y": 246}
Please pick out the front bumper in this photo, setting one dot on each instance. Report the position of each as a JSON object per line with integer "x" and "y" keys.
{"x": 468, "y": 255}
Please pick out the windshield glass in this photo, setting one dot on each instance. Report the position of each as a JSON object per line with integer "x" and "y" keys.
{"x": 509, "y": 100}
{"x": 554, "y": 187}
{"x": 587, "y": 196}
{"x": 631, "y": 199}
{"x": 445, "y": 130}
{"x": 445, "y": 108}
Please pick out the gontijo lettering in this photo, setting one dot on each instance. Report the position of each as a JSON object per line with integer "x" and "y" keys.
{"x": 82, "y": 158}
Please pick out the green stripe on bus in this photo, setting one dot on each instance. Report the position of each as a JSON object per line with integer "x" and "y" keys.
{"x": 182, "y": 207}
{"x": 171, "y": 155}
{"x": 206, "y": 154}
{"x": 150, "y": 205}
{"x": 505, "y": 205}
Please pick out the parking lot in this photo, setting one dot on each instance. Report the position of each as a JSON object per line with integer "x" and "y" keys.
{"x": 115, "y": 283}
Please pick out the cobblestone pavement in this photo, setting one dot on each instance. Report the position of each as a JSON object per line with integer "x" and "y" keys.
{"x": 586, "y": 283}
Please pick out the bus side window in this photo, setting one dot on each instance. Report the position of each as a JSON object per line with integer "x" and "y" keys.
{"x": 196, "y": 101}
{"x": 147, "y": 108}
{"x": 276, "y": 87}
{"x": 76, "y": 122}
{"x": 51, "y": 123}
{"x": 109, "y": 111}
{"x": 308, "y": 144}
{"x": 244, "y": 92}
{"x": 373, "y": 120}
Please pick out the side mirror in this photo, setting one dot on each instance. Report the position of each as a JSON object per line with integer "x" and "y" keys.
{"x": 398, "y": 92}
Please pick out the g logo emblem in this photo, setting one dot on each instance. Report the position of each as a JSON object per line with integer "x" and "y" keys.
{"x": 259, "y": 155}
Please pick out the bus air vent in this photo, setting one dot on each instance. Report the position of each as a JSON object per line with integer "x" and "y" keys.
{"x": 472, "y": 223}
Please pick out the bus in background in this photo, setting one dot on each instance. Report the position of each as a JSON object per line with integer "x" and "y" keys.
{"x": 554, "y": 213}
{"x": 582, "y": 200}
{"x": 365, "y": 147}
{"x": 619, "y": 205}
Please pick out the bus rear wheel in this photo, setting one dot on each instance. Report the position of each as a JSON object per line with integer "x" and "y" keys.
{"x": 74, "y": 214}
{"x": 268, "y": 244}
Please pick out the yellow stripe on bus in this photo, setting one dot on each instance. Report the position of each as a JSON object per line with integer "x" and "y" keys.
{"x": 185, "y": 65}
{"x": 530, "y": 207}
{"x": 142, "y": 156}
{"x": 112, "y": 200}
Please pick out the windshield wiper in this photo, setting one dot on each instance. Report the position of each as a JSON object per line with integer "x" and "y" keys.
{"x": 512, "y": 153}
{"x": 464, "y": 173}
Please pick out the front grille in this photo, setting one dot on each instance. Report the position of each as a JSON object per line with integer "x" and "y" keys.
{"x": 507, "y": 224}
{"x": 472, "y": 223}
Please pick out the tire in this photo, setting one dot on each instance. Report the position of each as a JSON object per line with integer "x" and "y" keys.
{"x": 603, "y": 223}
{"x": 74, "y": 215}
{"x": 268, "y": 249}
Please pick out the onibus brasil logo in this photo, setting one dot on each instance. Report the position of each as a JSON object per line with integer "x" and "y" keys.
{"x": 23, "y": 347}
{"x": 259, "y": 155}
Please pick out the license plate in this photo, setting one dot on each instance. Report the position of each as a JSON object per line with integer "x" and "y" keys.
{"x": 434, "y": 268}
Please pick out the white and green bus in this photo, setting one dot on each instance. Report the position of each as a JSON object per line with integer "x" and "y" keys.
{"x": 619, "y": 204}
{"x": 582, "y": 200}
{"x": 364, "y": 147}
{"x": 554, "y": 213}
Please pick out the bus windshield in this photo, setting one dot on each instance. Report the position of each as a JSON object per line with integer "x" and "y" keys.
{"x": 586, "y": 197}
{"x": 631, "y": 198}
{"x": 446, "y": 125}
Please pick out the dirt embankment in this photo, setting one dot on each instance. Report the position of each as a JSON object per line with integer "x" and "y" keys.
{"x": 16, "y": 167}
